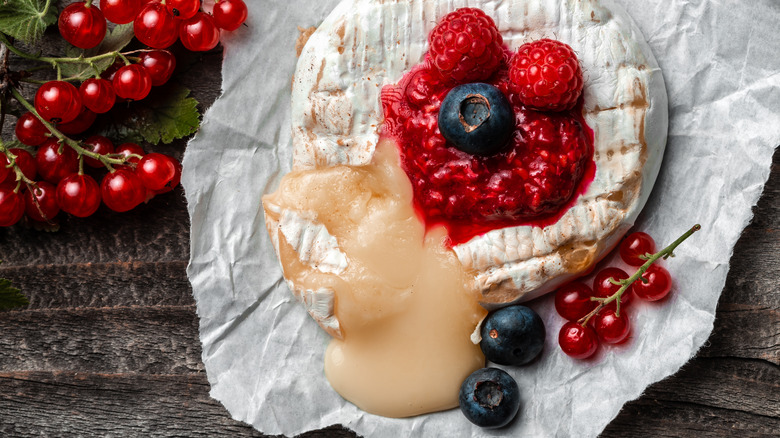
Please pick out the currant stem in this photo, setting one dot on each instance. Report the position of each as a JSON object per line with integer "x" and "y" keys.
{"x": 62, "y": 137}
{"x": 625, "y": 284}
{"x": 20, "y": 177}
{"x": 55, "y": 62}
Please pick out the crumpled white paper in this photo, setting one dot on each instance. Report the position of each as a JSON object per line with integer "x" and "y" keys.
{"x": 263, "y": 354}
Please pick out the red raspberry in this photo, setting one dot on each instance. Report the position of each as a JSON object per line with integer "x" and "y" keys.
{"x": 546, "y": 75}
{"x": 465, "y": 46}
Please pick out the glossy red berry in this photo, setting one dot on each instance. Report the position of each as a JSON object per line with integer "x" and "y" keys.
{"x": 53, "y": 165}
{"x": 11, "y": 207}
{"x": 41, "y": 202}
{"x": 155, "y": 26}
{"x": 81, "y": 25}
{"x": 78, "y": 195}
{"x": 230, "y": 14}
{"x": 572, "y": 300}
{"x": 109, "y": 73}
{"x": 159, "y": 64}
{"x": 5, "y": 171}
{"x": 80, "y": 124}
{"x": 30, "y": 131}
{"x": 466, "y": 46}
{"x": 174, "y": 181}
{"x": 635, "y": 245}
{"x": 121, "y": 11}
{"x": 127, "y": 149}
{"x": 604, "y": 288}
{"x": 58, "y": 101}
{"x": 26, "y": 164}
{"x": 156, "y": 171}
{"x": 610, "y": 328}
{"x": 577, "y": 341}
{"x": 546, "y": 75}
{"x": 132, "y": 82}
{"x": 122, "y": 190}
{"x": 97, "y": 94}
{"x": 199, "y": 33}
{"x": 658, "y": 286}
{"x": 99, "y": 145}
{"x": 183, "y": 9}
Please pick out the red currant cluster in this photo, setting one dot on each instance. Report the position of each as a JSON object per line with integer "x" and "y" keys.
{"x": 598, "y": 314}
{"x": 54, "y": 179}
{"x": 156, "y": 23}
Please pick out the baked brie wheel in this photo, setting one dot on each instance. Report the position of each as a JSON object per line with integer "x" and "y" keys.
{"x": 337, "y": 119}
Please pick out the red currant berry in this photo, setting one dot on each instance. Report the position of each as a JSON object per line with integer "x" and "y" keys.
{"x": 121, "y": 11}
{"x": 174, "y": 181}
{"x": 97, "y": 94}
{"x": 132, "y": 82}
{"x": 122, "y": 190}
{"x": 11, "y": 207}
{"x": 603, "y": 288}
{"x": 99, "y": 145}
{"x": 109, "y": 73}
{"x": 155, "y": 26}
{"x": 30, "y": 131}
{"x": 26, "y": 164}
{"x": 156, "y": 171}
{"x": 78, "y": 195}
{"x": 183, "y": 9}
{"x": 58, "y": 101}
{"x": 577, "y": 341}
{"x": 81, "y": 25}
{"x": 159, "y": 64}
{"x": 658, "y": 286}
{"x": 572, "y": 300}
{"x": 199, "y": 33}
{"x": 5, "y": 171}
{"x": 53, "y": 165}
{"x": 80, "y": 124}
{"x": 126, "y": 149}
{"x": 610, "y": 328}
{"x": 41, "y": 202}
{"x": 230, "y": 14}
{"x": 635, "y": 245}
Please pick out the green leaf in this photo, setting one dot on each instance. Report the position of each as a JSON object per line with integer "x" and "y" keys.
{"x": 166, "y": 115}
{"x": 10, "y": 296}
{"x": 26, "y": 19}
{"x": 115, "y": 40}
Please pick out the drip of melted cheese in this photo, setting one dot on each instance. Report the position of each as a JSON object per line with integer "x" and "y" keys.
{"x": 403, "y": 301}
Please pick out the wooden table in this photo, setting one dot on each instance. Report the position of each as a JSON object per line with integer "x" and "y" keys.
{"x": 109, "y": 343}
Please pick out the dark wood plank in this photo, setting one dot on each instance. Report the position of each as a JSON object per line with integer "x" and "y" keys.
{"x": 146, "y": 340}
{"x": 102, "y": 284}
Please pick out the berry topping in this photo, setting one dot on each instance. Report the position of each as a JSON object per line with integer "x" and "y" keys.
{"x": 513, "y": 335}
{"x": 636, "y": 245}
{"x": 466, "y": 46}
{"x": 489, "y": 398}
{"x": 572, "y": 300}
{"x": 546, "y": 75}
{"x": 577, "y": 341}
{"x": 476, "y": 118}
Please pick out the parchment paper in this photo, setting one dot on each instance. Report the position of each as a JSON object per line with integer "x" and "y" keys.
{"x": 263, "y": 354}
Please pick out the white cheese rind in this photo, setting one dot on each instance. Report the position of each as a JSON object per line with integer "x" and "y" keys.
{"x": 364, "y": 44}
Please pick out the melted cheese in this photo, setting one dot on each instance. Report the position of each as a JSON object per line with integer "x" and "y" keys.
{"x": 403, "y": 301}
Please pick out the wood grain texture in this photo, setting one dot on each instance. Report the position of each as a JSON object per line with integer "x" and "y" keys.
{"x": 109, "y": 344}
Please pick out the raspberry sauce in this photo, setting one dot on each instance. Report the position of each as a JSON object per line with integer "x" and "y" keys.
{"x": 532, "y": 181}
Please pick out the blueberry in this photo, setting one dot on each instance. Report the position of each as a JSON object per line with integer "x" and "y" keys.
{"x": 489, "y": 398}
{"x": 512, "y": 336}
{"x": 477, "y": 118}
